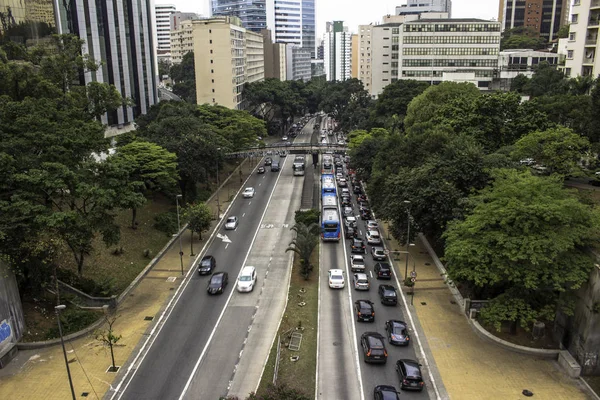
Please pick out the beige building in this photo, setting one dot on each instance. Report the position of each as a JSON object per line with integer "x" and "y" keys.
{"x": 365, "y": 33}
{"x": 583, "y": 43}
{"x": 355, "y": 56}
{"x": 226, "y": 56}
{"x": 275, "y": 57}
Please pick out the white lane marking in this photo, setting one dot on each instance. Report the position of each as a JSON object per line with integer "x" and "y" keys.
{"x": 195, "y": 369}
{"x": 227, "y": 245}
{"x": 145, "y": 349}
{"x": 243, "y": 215}
{"x": 259, "y": 184}
{"x": 249, "y": 203}
{"x": 370, "y": 272}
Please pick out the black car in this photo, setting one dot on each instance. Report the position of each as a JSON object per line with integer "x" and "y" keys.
{"x": 357, "y": 190}
{"x": 261, "y": 170}
{"x": 275, "y": 166}
{"x": 206, "y": 265}
{"x": 217, "y": 283}
{"x": 351, "y": 233}
{"x": 383, "y": 270}
{"x": 268, "y": 161}
{"x": 397, "y": 332}
{"x": 387, "y": 295}
{"x": 365, "y": 214}
{"x": 373, "y": 346}
{"x": 385, "y": 392}
{"x": 409, "y": 373}
{"x": 346, "y": 202}
{"x": 378, "y": 253}
{"x": 358, "y": 246}
{"x": 364, "y": 311}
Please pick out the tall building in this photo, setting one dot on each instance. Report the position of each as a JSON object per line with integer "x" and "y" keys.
{"x": 583, "y": 44}
{"x": 226, "y": 56}
{"x": 543, "y": 16}
{"x": 252, "y": 13}
{"x": 354, "y": 56}
{"x": 120, "y": 38}
{"x": 423, "y": 6}
{"x": 321, "y": 50}
{"x": 163, "y": 26}
{"x": 274, "y": 56}
{"x": 435, "y": 50}
{"x": 365, "y": 33}
{"x": 298, "y": 63}
{"x": 338, "y": 53}
{"x": 290, "y": 21}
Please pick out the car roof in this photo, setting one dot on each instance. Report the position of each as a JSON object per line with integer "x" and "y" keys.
{"x": 248, "y": 269}
{"x": 361, "y": 275}
{"x": 231, "y": 218}
{"x": 383, "y": 265}
{"x": 387, "y": 287}
{"x": 249, "y": 188}
{"x": 207, "y": 257}
{"x": 374, "y": 338}
{"x": 396, "y": 322}
{"x": 363, "y": 303}
{"x": 412, "y": 367}
{"x": 358, "y": 257}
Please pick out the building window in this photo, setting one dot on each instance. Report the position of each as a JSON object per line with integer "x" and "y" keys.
{"x": 213, "y": 90}
{"x": 574, "y": 18}
{"x": 572, "y": 36}
{"x": 213, "y": 100}
{"x": 576, "y": 2}
{"x": 212, "y": 71}
{"x": 211, "y": 51}
{"x": 568, "y": 71}
{"x": 213, "y": 81}
{"x": 569, "y": 54}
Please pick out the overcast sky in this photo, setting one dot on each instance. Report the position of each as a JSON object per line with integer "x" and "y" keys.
{"x": 360, "y": 12}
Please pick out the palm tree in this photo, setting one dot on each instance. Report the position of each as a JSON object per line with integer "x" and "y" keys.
{"x": 307, "y": 238}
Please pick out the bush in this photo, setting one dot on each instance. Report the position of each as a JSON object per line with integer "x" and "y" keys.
{"x": 307, "y": 217}
{"x": 166, "y": 222}
{"x": 73, "y": 320}
{"x": 103, "y": 288}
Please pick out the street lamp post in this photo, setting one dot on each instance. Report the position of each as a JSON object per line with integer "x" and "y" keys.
{"x": 58, "y": 309}
{"x": 179, "y": 233}
{"x": 407, "y": 236}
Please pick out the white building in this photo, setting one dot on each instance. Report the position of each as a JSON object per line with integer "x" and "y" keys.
{"x": 298, "y": 63}
{"x": 514, "y": 62}
{"x": 338, "y": 51}
{"x": 583, "y": 43}
{"x": 163, "y": 26}
{"x": 423, "y": 6}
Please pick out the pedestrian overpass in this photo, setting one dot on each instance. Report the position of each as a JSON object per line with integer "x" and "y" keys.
{"x": 290, "y": 148}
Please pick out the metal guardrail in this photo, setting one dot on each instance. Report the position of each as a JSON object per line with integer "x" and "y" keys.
{"x": 276, "y": 370}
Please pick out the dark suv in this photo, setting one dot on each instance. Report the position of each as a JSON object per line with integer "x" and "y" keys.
{"x": 383, "y": 270}
{"x": 387, "y": 295}
{"x": 358, "y": 246}
{"x": 206, "y": 265}
{"x": 364, "y": 311}
{"x": 373, "y": 346}
{"x": 409, "y": 373}
{"x": 397, "y": 332}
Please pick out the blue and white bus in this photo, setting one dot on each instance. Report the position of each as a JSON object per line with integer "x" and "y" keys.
{"x": 329, "y": 201}
{"x": 328, "y": 185}
{"x": 330, "y": 225}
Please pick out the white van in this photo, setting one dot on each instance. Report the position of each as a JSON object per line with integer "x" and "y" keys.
{"x": 247, "y": 279}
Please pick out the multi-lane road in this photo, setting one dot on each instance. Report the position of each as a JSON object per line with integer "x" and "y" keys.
{"x": 207, "y": 346}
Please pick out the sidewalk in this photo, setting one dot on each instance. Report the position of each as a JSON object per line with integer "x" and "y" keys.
{"x": 41, "y": 373}
{"x": 471, "y": 368}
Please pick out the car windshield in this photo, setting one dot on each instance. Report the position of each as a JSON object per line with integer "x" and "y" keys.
{"x": 216, "y": 279}
{"x": 390, "y": 293}
{"x": 399, "y": 330}
{"x": 245, "y": 278}
{"x": 205, "y": 262}
{"x": 231, "y": 219}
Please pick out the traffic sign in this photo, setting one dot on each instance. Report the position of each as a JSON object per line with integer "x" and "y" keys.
{"x": 413, "y": 280}
{"x": 413, "y": 274}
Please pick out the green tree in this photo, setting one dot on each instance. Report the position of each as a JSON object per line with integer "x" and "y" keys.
{"x": 571, "y": 111}
{"x": 307, "y": 238}
{"x": 150, "y": 169}
{"x": 199, "y": 218}
{"x": 394, "y": 101}
{"x": 184, "y": 78}
{"x": 347, "y": 103}
{"x": 307, "y": 217}
{"x": 522, "y": 38}
{"x": 523, "y": 234}
{"x": 239, "y": 128}
{"x": 559, "y": 149}
{"x": 547, "y": 80}
{"x": 518, "y": 83}
{"x": 563, "y": 32}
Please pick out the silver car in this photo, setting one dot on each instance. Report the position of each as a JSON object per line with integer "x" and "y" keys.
{"x": 231, "y": 223}
{"x": 357, "y": 263}
{"x": 361, "y": 282}
{"x": 373, "y": 237}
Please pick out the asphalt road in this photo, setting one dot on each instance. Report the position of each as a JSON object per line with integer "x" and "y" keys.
{"x": 163, "y": 371}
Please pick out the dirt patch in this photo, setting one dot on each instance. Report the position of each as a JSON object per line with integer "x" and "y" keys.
{"x": 39, "y": 318}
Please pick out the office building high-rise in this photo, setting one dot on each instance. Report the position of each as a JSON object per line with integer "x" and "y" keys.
{"x": 163, "y": 26}
{"x": 423, "y": 6}
{"x": 543, "y": 16}
{"x": 338, "y": 51}
{"x": 252, "y": 13}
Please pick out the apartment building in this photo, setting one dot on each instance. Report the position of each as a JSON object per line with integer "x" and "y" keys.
{"x": 354, "y": 56}
{"x": 543, "y": 16}
{"x": 298, "y": 63}
{"x": 519, "y": 62}
{"x": 337, "y": 51}
{"x": 163, "y": 26}
{"x": 583, "y": 45}
{"x": 423, "y": 6}
{"x": 274, "y": 56}
{"x": 365, "y": 33}
{"x": 226, "y": 56}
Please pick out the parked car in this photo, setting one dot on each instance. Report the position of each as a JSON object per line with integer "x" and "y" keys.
{"x": 373, "y": 346}
{"x": 336, "y": 279}
{"x": 217, "y": 283}
{"x": 373, "y": 237}
{"x": 357, "y": 263}
{"x": 357, "y": 246}
{"x": 383, "y": 270}
{"x": 206, "y": 265}
{"x": 397, "y": 332}
{"x": 364, "y": 310}
{"x": 378, "y": 253}
{"x": 409, "y": 374}
{"x": 361, "y": 281}
{"x": 231, "y": 223}
{"x": 261, "y": 170}
{"x": 388, "y": 295}
{"x": 385, "y": 392}
{"x": 247, "y": 279}
{"x": 248, "y": 193}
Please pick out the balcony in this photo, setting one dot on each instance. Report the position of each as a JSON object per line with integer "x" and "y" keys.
{"x": 591, "y": 41}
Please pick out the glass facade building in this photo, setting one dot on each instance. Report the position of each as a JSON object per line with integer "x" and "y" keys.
{"x": 252, "y": 13}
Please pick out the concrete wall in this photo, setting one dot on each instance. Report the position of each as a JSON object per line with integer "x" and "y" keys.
{"x": 580, "y": 334}
{"x": 12, "y": 322}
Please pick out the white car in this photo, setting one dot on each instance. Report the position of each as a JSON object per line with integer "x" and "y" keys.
{"x": 284, "y": 139}
{"x": 248, "y": 193}
{"x": 357, "y": 263}
{"x": 361, "y": 282}
{"x": 372, "y": 224}
{"x": 373, "y": 237}
{"x": 247, "y": 279}
{"x": 231, "y": 223}
{"x": 336, "y": 279}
